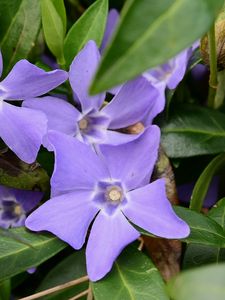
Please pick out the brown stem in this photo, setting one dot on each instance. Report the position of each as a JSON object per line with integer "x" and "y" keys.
{"x": 56, "y": 288}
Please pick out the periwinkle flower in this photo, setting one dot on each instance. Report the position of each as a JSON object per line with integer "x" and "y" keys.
{"x": 110, "y": 188}
{"x": 22, "y": 129}
{"x": 93, "y": 123}
{"x": 112, "y": 21}
{"x": 170, "y": 74}
{"x": 185, "y": 191}
{"x": 15, "y": 204}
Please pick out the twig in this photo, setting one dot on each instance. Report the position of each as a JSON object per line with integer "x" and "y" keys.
{"x": 213, "y": 67}
{"x": 90, "y": 294}
{"x": 141, "y": 245}
{"x": 56, "y": 288}
{"x": 80, "y": 295}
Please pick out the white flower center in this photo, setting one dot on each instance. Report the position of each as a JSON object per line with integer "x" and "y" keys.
{"x": 114, "y": 194}
{"x": 17, "y": 210}
{"x": 83, "y": 124}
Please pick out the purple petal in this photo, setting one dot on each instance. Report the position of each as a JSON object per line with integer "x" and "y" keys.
{"x": 22, "y": 129}
{"x": 113, "y": 18}
{"x": 179, "y": 64}
{"x": 28, "y": 199}
{"x": 26, "y": 81}
{"x": 149, "y": 208}
{"x": 31, "y": 270}
{"x": 159, "y": 103}
{"x": 185, "y": 191}
{"x": 67, "y": 216}
{"x": 81, "y": 73}
{"x": 132, "y": 163}
{"x": 131, "y": 104}
{"x": 1, "y": 64}
{"x": 117, "y": 138}
{"x": 76, "y": 165}
{"x": 61, "y": 115}
{"x": 109, "y": 235}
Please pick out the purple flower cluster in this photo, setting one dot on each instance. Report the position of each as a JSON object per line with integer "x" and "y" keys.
{"x": 101, "y": 176}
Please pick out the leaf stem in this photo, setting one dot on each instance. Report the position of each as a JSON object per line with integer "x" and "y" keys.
{"x": 213, "y": 67}
{"x": 57, "y": 288}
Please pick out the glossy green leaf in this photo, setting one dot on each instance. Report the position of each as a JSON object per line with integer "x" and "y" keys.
{"x": 197, "y": 255}
{"x": 90, "y": 26}
{"x": 21, "y": 34}
{"x": 5, "y": 290}
{"x": 7, "y": 12}
{"x": 71, "y": 268}
{"x": 53, "y": 29}
{"x": 18, "y": 174}
{"x": 61, "y": 10}
{"x": 194, "y": 130}
{"x": 16, "y": 257}
{"x": 201, "y": 187}
{"x": 133, "y": 277}
{"x": 205, "y": 283}
{"x": 204, "y": 230}
{"x": 148, "y": 35}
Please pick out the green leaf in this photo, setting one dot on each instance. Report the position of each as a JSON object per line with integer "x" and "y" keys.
{"x": 90, "y": 26}
{"x": 197, "y": 255}
{"x": 5, "y": 290}
{"x": 71, "y": 268}
{"x": 16, "y": 257}
{"x": 148, "y": 35}
{"x": 61, "y": 10}
{"x": 194, "y": 130}
{"x": 201, "y": 187}
{"x": 204, "y": 230}
{"x": 21, "y": 34}
{"x": 7, "y": 12}
{"x": 205, "y": 283}
{"x": 133, "y": 277}
{"x": 18, "y": 174}
{"x": 53, "y": 29}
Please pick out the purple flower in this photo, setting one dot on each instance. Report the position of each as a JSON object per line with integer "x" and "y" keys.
{"x": 109, "y": 188}
{"x": 170, "y": 74}
{"x": 93, "y": 123}
{"x": 112, "y": 21}
{"x": 15, "y": 204}
{"x": 22, "y": 129}
{"x": 185, "y": 191}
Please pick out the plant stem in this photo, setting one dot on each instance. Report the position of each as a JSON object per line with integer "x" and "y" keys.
{"x": 213, "y": 67}
{"x": 56, "y": 288}
{"x": 80, "y": 295}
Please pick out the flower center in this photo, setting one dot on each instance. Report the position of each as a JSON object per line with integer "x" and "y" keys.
{"x": 11, "y": 210}
{"x": 83, "y": 124}
{"x": 17, "y": 210}
{"x": 114, "y": 194}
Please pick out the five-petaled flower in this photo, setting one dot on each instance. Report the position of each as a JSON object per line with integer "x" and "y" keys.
{"x": 15, "y": 204}
{"x": 22, "y": 129}
{"x": 109, "y": 188}
{"x": 92, "y": 123}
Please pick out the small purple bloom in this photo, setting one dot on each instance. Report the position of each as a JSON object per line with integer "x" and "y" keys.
{"x": 112, "y": 21}
{"x": 170, "y": 74}
{"x": 22, "y": 129}
{"x": 109, "y": 188}
{"x": 15, "y": 204}
{"x": 185, "y": 191}
{"x": 93, "y": 123}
